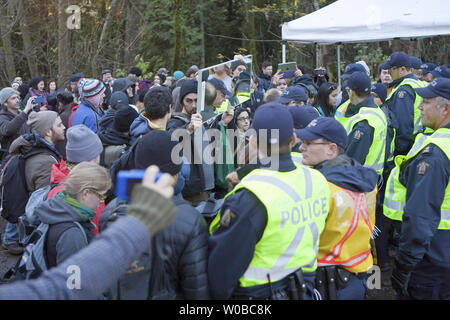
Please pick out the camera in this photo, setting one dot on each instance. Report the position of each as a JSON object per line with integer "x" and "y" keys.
{"x": 38, "y": 100}
{"x": 320, "y": 71}
{"x": 126, "y": 181}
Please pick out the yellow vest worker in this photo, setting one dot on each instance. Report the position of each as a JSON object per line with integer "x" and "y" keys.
{"x": 365, "y": 123}
{"x": 419, "y": 195}
{"x": 344, "y": 246}
{"x": 264, "y": 241}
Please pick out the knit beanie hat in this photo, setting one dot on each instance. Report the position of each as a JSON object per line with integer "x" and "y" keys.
{"x": 91, "y": 87}
{"x": 155, "y": 148}
{"x": 82, "y": 144}
{"x": 177, "y": 75}
{"x": 188, "y": 86}
{"x": 123, "y": 118}
{"x": 42, "y": 121}
{"x": 5, "y": 94}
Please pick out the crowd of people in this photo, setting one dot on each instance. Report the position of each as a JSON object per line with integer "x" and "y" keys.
{"x": 310, "y": 183}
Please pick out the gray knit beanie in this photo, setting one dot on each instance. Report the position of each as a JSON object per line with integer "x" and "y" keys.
{"x": 42, "y": 121}
{"x": 82, "y": 144}
{"x": 5, "y": 94}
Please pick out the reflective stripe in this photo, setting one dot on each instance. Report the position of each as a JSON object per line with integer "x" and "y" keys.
{"x": 394, "y": 204}
{"x": 337, "y": 249}
{"x": 445, "y": 214}
{"x": 365, "y": 111}
{"x": 441, "y": 135}
{"x": 280, "y": 184}
{"x": 278, "y": 270}
{"x": 417, "y": 145}
{"x": 308, "y": 182}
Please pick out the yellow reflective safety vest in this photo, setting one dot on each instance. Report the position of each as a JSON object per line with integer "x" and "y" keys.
{"x": 340, "y": 111}
{"x": 395, "y": 197}
{"x": 345, "y": 241}
{"x": 297, "y": 206}
{"x": 377, "y": 120}
{"x": 413, "y": 83}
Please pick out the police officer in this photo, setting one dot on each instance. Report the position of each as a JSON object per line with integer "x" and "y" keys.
{"x": 426, "y": 69}
{"x": 365, "y": 123}
{"x": 265, "y": 238}
{"x": 343, "y": 99}
{"x": 344, "y": 246}
{"x": 403, "y": 101}
{"x": 422, "y": 193}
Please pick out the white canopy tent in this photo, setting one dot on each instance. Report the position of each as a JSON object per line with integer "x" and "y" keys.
{"x": 347, "y": 21}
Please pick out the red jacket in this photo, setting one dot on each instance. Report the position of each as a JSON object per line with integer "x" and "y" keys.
{"x": 58, "y": 175}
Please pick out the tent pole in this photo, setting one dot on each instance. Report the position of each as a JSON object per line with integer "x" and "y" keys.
{"x": 339, "y": 63}
{"x": 283, "y": 48}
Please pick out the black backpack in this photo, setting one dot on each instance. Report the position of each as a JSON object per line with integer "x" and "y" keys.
{"x": 13, "y": 186}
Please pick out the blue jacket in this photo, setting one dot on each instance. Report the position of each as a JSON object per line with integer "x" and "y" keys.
{"x": 402, "y": 106}
{"x": 361, "y": 137}
{"x": 420, "y": 239}
{"x": 231, "y": 248}
{"x": 87, "y": 116}
{"x": 139, "y": 127}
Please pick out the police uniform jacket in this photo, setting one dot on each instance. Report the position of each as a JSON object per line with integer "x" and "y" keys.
{"x": 425, "y": 178}
{"x": 361, "y": 137}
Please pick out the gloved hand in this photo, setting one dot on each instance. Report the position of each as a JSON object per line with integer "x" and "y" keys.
{"x": 400, "y": 278}
{"x": 150, "y": 201}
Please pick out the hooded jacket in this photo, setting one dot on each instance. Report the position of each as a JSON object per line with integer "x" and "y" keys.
{"x": 58, "y": 174}
{"x": 87, "y": 115}
{"x": 107, "y": 121}
{"x": 11, "y": 127}
{"x": 184, "y": 243}
{"x": 54, "y": 211}
{"x": 352, "y": 186}
{"x": 37, "y": 167}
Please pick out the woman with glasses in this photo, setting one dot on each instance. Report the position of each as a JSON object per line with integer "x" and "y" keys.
{"x": 242, "y": 122}
{"x": 326, "y": 99}
{"x": 69, "y": 214}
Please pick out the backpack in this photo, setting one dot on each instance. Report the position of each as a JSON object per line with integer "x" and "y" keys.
{"x": 40, "y": 252}
{"x": 13, "y": 186}
{"x": 28, "y": 222}
{"x": 124, "y": 162}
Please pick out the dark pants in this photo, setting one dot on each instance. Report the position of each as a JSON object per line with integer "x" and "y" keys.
{"x": 429, "y": 282}
{"x": 355, "y": 289}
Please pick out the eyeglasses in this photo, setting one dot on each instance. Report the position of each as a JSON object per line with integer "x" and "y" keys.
{"x": 244, "y": 119}
{"x": 99, "y": 195}
{"x": 308, "y": 143}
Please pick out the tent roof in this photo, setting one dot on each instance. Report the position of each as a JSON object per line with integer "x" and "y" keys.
{"x": 371, "y": 20}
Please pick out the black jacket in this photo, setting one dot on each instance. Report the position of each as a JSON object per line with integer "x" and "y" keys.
{"x": 184, "y": 246}
{"x": 196, "y": 182}
{"x": 11, "y": 127}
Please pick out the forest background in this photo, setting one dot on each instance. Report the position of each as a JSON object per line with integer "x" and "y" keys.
{"x": 56, "y": 38}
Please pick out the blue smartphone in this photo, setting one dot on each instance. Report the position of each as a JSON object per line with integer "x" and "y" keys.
{"x": 126, "y": 181}
{"x": 38, "y": 100}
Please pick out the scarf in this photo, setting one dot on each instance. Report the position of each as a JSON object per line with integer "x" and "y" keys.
{"x": 86, "y": 213}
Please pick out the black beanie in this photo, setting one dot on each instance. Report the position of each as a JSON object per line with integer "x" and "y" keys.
{"x": 136, "y": 71}
{"x": 124, "y": 117}
{"x": 155, "y": 148}
{"x": 188, "y": 86}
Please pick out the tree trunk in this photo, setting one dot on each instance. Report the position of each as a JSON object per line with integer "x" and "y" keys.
{"x": 251, "y": 32}
{"x": 131, "y": 32}
{"x": 27, "y": 41}
{"x": 63, "y": 44}
{"x": 202, "y": 31}
{"x": 6, "y": 28}
{"x": 178, "y": 34}
{"x": 101, "y": 42}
